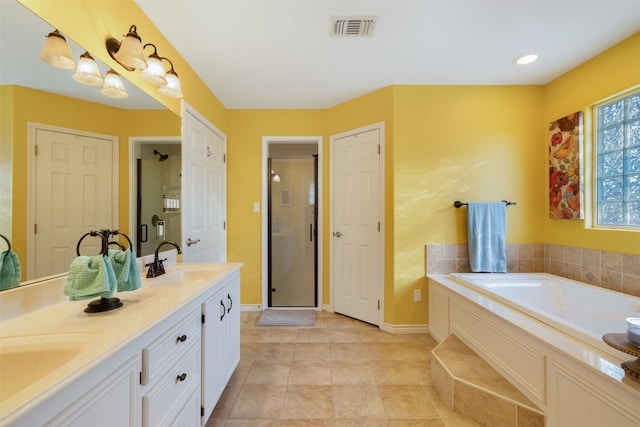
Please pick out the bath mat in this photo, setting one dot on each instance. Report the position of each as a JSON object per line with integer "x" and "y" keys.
{"x": 287, "y": 318}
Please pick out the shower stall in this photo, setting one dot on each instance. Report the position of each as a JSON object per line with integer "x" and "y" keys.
{"x": 158, "y": 210}
{"x": 292, "y": 219}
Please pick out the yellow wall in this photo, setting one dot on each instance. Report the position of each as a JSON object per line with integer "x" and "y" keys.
{"x": 615, "y": 70}
{"x": 244, "y": 183}
{"x": 469, "y": 143}
{"x": 31, "y": 105}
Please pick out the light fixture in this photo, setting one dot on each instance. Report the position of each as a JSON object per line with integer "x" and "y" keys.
{"x": 154, "y": 73}
{"x": 129, "y": 53}
{"x": 87, "y": 71}
{"x": 113, "y": 85}
{"x": 56, "y": 51}
{"x": 172, "y": 88}
{"x": 526, "y": 58}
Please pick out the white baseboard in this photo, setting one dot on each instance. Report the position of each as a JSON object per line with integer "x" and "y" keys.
{"x": 250, "y": 307}
{"x": 327, "y": 308}
{"x": 405, "y": 329}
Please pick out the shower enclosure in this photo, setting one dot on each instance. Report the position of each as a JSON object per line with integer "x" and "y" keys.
{"x": 158, "y": 206}
{"x": 292, "y": 213}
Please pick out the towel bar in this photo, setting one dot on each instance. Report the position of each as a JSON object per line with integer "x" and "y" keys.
{"x": 458, "y": 203}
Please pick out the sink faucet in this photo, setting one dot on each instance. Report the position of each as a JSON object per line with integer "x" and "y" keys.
{"x": 156, "y": 268}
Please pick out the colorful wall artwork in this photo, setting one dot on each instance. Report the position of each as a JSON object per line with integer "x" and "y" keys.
{"x": 565, "y": 174}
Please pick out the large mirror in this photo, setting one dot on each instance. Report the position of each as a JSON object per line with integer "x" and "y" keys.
{"x": 34, "y": 92}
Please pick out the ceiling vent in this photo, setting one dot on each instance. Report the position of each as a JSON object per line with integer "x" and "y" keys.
{"x": 352, "y": 26}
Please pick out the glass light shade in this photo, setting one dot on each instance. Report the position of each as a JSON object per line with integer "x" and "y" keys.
{"x": 130, "y": 52}
{"x": 172, "y": 88}
{"x": 56, "y": 52}
{"x": 87, "y": 71}
{"x": 113, "y": 86}
{"x": 154, "y": 73}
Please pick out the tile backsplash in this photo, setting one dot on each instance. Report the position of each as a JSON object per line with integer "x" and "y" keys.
{"x": 611, "y": 270}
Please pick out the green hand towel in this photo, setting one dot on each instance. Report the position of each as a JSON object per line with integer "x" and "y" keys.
{"x": 90, "y": 277}
{"x": 125, "y": 267}
{"x": 9, "y": 270}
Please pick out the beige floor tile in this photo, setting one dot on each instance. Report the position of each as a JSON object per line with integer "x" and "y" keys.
{"x": 401, "y": 372}
{"x": 348, "y": 351}
{"x": 357, "y": 401}
{"x": 226, "y": 402}
{"x": 267, "y": 373}
{"x": 259, "y": 401}
{"x": 343, "y": 335}
{"x": 310, "y": 372}
{"x": 416, "y": 423}
{"x": 273, "y": 352}
{"x": 483, "y": 407}
{"x": 304, "y": 351}
{"x": 307, "y": 423}
{"x": 407, "y": 401}
{"x": 251, "y": 423}
{"x": 354, "y": 372}
{"x": 312, "y": 335}
{"x": 360, "y": 423}
{"x": 240, "y": 373}
{"x": 307, "y": 402}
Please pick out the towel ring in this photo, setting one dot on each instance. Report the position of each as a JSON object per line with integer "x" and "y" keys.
{"x": 94, "y": 233}
{"x": 118, "y": 244}
{"x": 116, "y": 233}
{"x": 8, "y": 242}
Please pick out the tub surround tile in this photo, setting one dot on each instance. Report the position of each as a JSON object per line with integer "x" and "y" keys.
{"x": 611, "y": 270}
{"x": 631, "y": 264}
{"x": 473, "y": 388}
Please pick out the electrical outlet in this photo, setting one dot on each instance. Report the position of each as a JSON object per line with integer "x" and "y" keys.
{"x": 417, "y": 295}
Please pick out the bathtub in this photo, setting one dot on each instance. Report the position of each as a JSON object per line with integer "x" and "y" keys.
{"x": 580, "y": 310}
{"x": 543, "y": 333}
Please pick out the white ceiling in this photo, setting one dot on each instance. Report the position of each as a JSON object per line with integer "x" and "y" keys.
{"x": 278, "y": 54}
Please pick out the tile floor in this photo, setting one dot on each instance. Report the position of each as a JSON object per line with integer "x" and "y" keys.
{"x": 340, "y": 372}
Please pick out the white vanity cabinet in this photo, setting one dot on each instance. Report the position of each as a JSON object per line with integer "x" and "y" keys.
{"x": 171, "y": 372}
{"x": 220, "y": 342}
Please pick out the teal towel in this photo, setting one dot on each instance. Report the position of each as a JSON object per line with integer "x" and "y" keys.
{"x": 90, "y": 277}
{"x": 487, "y": 237}
{"x": 125, "y": 267}
{"x": 9, "y": 270}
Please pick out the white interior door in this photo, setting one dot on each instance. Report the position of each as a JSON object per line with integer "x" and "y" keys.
{"x": 74, "y": 193}
{"x": 204, "y": 190}
{"x": 357, "y": 225}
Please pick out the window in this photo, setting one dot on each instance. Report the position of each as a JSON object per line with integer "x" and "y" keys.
{"x": 617, "y": 170}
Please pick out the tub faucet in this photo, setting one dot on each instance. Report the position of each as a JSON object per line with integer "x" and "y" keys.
{"x": 156, "y": 268}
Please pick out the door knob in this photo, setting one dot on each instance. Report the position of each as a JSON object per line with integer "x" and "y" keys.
{"x": 337, "y": 234}
{"x": 192, "y": 242}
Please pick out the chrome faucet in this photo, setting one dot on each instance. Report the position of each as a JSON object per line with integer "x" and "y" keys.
{"x": 156, "y": 268}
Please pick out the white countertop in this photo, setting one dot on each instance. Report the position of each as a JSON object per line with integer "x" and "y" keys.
{"x": 105, "y": 333}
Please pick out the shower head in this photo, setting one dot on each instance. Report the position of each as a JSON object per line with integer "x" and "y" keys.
{"x": 163, "y": 157}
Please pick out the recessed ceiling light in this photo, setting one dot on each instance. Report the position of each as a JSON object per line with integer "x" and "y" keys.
{"x": 526, "y": 58}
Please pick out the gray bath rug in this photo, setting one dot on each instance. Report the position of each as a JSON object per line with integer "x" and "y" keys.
{"x": 271, "y": 317}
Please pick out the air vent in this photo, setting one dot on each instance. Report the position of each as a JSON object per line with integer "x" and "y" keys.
{"x": 352, "y": 26}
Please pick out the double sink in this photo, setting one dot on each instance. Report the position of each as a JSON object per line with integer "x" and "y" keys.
{"x": 28, "y": 359}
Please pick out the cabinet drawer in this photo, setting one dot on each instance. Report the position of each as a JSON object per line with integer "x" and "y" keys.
{"x": 170, "y": 346}
{"x": 189, "y": 415}
{"x": 169, "y": 395}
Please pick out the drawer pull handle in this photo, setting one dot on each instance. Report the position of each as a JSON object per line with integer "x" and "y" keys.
{"x": 224, "y": 310}
{"x": 182, "y": 338}
{"x": 181, "y": 378}
{"x": 230, "y": 303}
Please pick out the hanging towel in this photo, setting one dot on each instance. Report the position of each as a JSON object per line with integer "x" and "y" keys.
{"x": 125, "y": 267}
{"x": 90, "y": 277}
{"x": 9, "y": 270}
{"x": 487, "y": 231}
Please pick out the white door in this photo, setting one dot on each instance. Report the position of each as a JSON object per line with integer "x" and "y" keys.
{"x": 204, "y": 190}
{"x": 74, "y": 194}
{"x": 357, "y": 225}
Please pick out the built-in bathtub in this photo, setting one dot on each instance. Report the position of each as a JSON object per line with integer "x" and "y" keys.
{"x": 583, "y": 311}
{"x": 543, "y": 333}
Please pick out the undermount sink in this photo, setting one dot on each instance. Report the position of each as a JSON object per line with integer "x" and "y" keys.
{"x": 184, "y": 275}
{"x": 26, "y": 359}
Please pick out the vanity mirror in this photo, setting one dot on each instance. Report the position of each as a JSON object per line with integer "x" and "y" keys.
{"x": 34, "y": 92}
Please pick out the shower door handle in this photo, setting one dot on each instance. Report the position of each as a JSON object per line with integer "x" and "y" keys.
{"x": 337, "y": 234}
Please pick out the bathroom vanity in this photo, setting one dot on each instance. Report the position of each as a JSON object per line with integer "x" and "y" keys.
{"x": 162, "y": 359}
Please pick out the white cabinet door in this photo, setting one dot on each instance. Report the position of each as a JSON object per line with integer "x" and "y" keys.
{"x": 213, "y": 343}
{"x": 232, "y": 329}
{"x": 113, "y": 402}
